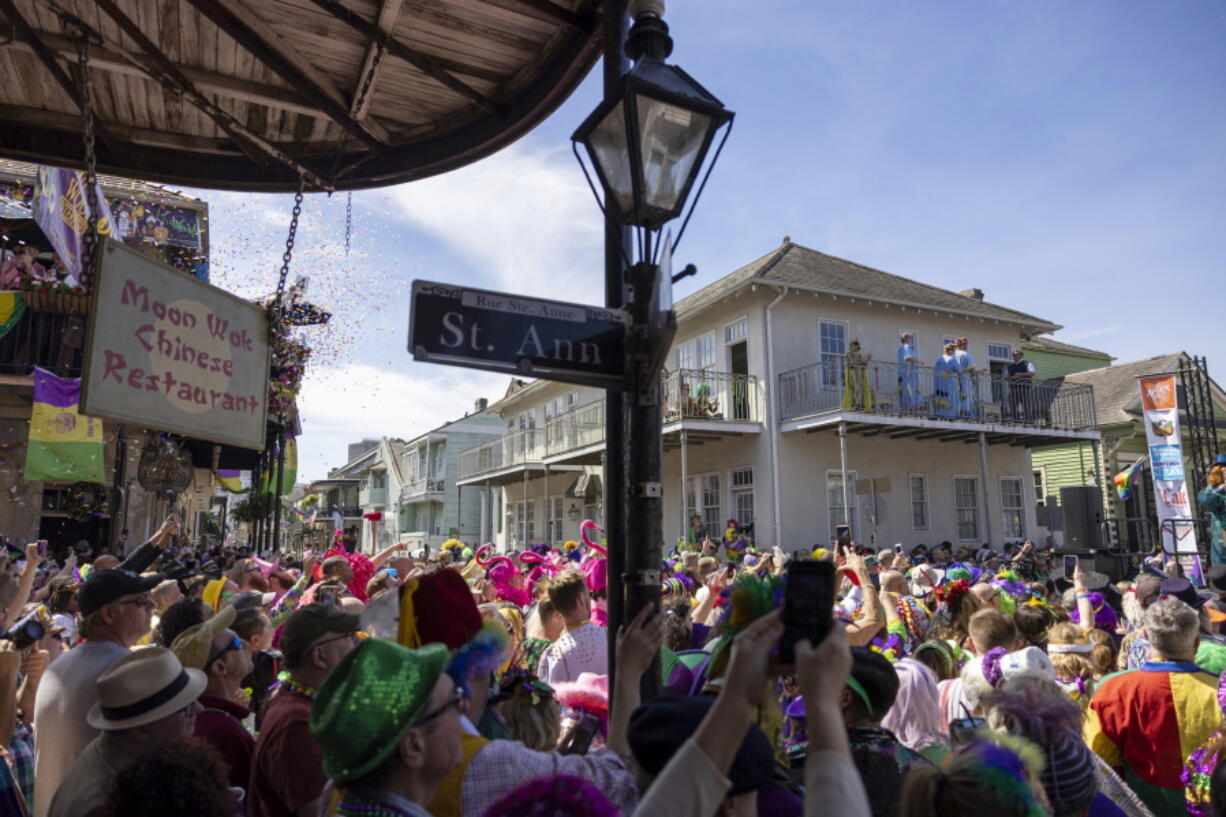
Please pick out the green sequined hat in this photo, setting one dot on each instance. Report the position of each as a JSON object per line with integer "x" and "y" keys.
{"x": 369, "y": 700}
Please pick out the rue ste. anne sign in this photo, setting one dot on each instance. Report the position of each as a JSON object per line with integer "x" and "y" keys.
{"x": 168, "y": 351}
{"x": 553, "y": 340}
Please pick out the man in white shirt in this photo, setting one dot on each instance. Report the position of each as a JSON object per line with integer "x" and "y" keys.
{"x": 582, "y": 647}
{"x": 117, "y": 611}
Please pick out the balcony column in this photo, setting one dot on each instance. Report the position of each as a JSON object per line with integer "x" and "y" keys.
{"x": 987, "y": 494}
{"x": 482, "y": 535}
{"x": 844, "y": 469}
{"x": 546, "y": 515}
{"x": 523, "y": 525}
{"x": 685, "y": 483}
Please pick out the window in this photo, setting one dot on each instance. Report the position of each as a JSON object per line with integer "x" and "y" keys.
{"x": 704, "y": 489}
{"x": 1011, "y": 507}
{"x": 555, "y": 518}
{"x": 1040, "y": 486}
{"x": 698, "y": 353}
{"x": 834, "y": 499}
{"x": 525, "y": 512}
{"x": 966, "y": 508}
{"x": 572, "y": 399}
{"x": 832, "y": 340}
{"x": 740, "y": 483}
{"x": 919, "y": 501}
{"x": 736, "y": 331}
{"x": 553, "y": 429}
{"x": 1000, "y": 351}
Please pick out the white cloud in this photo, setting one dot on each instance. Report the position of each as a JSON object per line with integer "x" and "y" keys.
{"x": 523, "y": 218}
{"x": 345, "y": 404}
{"x": 1087, "y": 334}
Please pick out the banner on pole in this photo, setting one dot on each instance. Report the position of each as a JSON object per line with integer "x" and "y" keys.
{"x": 1160, "y": 408}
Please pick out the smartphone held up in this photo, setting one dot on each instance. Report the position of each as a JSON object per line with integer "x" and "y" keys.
{"x": 808, "y": 605}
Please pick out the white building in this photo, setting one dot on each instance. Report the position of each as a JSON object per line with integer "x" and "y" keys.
{"x": 758, "y": 414}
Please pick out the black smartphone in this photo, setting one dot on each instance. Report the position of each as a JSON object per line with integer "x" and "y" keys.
{"x": 1070, "y": 567}
{"x": 808, "y": 605}
{"x": 581, "y": 736}
{"x": 842, "y": 535}
{"x": 898, "y": 548}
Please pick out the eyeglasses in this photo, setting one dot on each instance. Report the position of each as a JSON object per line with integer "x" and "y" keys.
{"x": 455, "y": 703}
{"x": 337, "y": 638}
{"x": 141, "y": 602}
{"x": 236, "y": 643}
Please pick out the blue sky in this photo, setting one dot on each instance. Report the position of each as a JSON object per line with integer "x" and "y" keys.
{"x": 1066, "y": 158}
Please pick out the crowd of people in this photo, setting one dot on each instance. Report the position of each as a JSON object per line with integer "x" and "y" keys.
{"x": 216, "y": 682}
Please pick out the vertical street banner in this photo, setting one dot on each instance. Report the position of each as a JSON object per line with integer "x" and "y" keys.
{"x": 65, "y": 445}
{"x": 1160, "y": 409}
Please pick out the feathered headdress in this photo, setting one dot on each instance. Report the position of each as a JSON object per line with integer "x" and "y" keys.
{"x": 484, "y": 654}
{"x": 1008, "y": 765}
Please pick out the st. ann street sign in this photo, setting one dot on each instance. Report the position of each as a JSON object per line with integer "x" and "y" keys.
{"x": 553, "y": 340}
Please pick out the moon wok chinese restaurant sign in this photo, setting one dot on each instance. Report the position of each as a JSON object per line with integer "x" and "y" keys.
{"x": 171, "y": 352}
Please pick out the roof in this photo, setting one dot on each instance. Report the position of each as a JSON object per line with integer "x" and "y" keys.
{"x": 354, "y": 466}
{"x": 254, "y": 94}
{"x": 799, "y": 267}
{"x": 1116, "y": 396}
{"x": 26, "y": 173}
{"x": 1046, "y": 344}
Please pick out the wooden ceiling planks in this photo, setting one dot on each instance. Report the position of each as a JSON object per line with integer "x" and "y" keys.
{"x": 486, "y": 72}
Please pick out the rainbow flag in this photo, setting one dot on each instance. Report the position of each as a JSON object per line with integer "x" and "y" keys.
{"x": 65, "y": 445}
{"x": 1125, "y": 480}
{"x": 12, "y": 307}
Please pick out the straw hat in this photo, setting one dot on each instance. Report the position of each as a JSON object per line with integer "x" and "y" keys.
{"x": 143, "y": 687}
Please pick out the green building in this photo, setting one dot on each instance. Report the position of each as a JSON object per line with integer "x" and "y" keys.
{"x": 1117, "y": 403}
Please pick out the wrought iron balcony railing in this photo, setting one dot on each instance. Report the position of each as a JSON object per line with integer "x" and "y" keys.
{"x": 911, "y": 390}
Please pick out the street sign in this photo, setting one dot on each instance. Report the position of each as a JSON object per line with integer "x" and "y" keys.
{"x": 552, "y": 340}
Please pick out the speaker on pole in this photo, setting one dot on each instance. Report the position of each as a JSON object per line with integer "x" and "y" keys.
{"x": 1082, "y": 512}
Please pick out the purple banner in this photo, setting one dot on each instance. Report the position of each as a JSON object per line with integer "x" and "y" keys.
{"x": 61, "y": 208}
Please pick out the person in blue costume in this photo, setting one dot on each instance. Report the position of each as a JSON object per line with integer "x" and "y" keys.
{"x": 909, "y": 397}
{"x": 1212, "y": 500}
{"x": 968, "y": 381}
{"x": 945, "y": 393}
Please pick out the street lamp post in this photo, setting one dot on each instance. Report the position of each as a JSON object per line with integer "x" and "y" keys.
{"x": 647, "y": 142}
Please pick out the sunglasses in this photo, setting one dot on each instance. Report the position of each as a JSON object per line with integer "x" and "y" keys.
{"x": 455, "y": 703}
{"x": 236, "y": 643}
{"x": 141, "y": 602}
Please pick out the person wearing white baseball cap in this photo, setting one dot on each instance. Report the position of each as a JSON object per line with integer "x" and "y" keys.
{"x": 144, "y": 699}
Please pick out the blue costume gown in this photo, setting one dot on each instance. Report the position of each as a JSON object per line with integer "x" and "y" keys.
{"x": 1213, "y": 501}
{"x": 908, "y": 378}
{"x": 968, "y": 386}
{"x": 945, "y": 395}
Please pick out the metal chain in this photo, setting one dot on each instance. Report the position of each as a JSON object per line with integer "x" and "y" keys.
{"x": 348, "y": 220}
{"x": 288, "y": 255}
{"x": 90, "y": 239}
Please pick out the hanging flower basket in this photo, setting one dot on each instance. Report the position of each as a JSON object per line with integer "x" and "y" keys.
{"x": 58, "y": 303}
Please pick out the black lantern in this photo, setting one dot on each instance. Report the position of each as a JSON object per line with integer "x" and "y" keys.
{"x": 648, "y": 140}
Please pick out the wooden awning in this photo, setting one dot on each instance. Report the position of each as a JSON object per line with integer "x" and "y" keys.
{"x": 251, "y": 94}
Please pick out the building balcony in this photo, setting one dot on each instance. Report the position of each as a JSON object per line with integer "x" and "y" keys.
{"x": 705, "y": 404}
{"x": 420, "y": 489}
{"x": 519, "y": 448}
{"x": 346, "y": 511}
{"x": 372, "y": 496}
{"x": 50, "y": 340}
{"x": 690, "y": 394}
{"x": 933, "y": 403}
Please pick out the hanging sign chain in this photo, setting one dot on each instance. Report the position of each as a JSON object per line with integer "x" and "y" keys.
{"x": 288, "y": 255}
{"x": 89, "y": 241}
{"x": 348, "y": 220}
